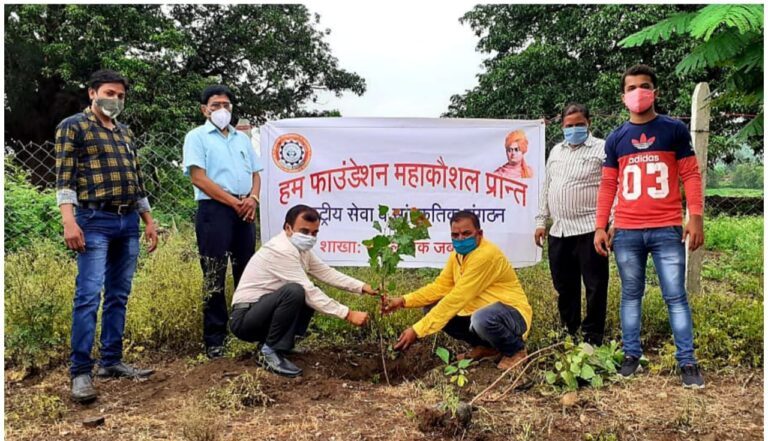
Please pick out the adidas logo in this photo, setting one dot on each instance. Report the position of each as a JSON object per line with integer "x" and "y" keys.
{"x": 644, "y": 142}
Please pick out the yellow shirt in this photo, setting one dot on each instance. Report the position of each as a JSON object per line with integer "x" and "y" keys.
{"x": 466, "y": 284}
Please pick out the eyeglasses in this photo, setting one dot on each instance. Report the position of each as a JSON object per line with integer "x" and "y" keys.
{"x": 217, "y": 106}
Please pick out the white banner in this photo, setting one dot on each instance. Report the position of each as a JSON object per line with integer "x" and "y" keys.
{"x": 347, "y": 167}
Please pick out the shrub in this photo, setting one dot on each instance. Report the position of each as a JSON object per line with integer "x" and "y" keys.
{"x": 748, "y": 175}
{"x": 585, "y": 364}
{"x": 31, "y": 214}
{"x": 39, "y": 284}
{"x": 165, "y": 309}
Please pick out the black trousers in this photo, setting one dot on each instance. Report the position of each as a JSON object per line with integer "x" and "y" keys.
{"x": 275, "y": 319}
{"x": 221, "y": 236}
{"x": 571, "y": 260}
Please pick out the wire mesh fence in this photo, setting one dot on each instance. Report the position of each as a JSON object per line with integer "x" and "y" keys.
{"x": 30, "y": 176}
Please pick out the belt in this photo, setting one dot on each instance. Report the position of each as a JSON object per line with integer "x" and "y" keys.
{"x": 239, "y": 196}
{"x": 241, "y": 306}
{"x": 110, "y": 207}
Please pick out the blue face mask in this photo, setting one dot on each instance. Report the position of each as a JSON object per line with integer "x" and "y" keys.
{"x": 576, "y": 135}
{"x": 464, "y": 246}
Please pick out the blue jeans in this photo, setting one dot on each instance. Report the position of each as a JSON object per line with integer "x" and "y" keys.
{"x": 109, "y": 261}
{"x": 668, "y": 251}
{"x": 496, "y": 326}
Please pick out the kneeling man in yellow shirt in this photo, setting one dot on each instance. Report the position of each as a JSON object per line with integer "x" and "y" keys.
{"x": 477, "y": 298}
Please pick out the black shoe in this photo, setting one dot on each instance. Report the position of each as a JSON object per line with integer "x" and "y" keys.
{"x": 123, "y": 370}
{"x": 214, "y": 351}
{"x": 82, "y": 389}
{"x": 593, "y": 340}
{"x": 692, "y": 378}
{"x": 630, "y": 365}
{"x": 278, "y": 364}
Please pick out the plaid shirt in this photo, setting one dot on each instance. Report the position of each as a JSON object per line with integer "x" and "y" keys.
{"x": 96, "y": 164}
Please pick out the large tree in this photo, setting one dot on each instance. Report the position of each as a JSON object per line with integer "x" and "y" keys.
{"x": 727, "y": 36}
{"x": 541, "y": 57}
{"x": 273, "y": 56}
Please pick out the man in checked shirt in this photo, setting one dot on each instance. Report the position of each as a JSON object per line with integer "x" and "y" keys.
{"x": 98, "y": 173}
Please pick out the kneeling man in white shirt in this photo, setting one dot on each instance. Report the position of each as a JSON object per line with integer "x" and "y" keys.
{"x": 275, "y": 299}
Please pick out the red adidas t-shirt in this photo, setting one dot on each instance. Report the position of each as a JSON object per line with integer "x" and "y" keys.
{"x": 644, "y": 164}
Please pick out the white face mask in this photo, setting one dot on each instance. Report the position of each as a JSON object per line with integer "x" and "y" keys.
{"x": 221, "y": 118}
{"x": 303, "y": 242}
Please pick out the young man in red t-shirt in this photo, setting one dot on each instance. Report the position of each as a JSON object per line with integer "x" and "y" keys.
{"x": 646, "y": 157}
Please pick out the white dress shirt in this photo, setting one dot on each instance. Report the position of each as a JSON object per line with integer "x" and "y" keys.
{"x": 571, "y": 184}
{"x": 279, "y": 262}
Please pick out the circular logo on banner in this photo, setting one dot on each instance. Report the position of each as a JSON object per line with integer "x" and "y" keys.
{"x": 291, "y": 153}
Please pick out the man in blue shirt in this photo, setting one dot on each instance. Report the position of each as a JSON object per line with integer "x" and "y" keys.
{"x": 225, "y": 173}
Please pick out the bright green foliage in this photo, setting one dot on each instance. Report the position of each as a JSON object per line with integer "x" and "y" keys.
{"x": 397, "y": 238}
{"x": 585, "y": 363}
{"x": 729, "y": 37}
{"x": 456, "y": 371}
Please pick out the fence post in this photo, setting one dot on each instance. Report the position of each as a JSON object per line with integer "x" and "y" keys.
{"x": 700, "y": 106}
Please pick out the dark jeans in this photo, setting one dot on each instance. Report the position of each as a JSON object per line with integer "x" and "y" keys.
{"x": 495, "y": 326}
{"x": 109, "y": 261}
{"x": 221, "y": 235}
{"x": 571, "y": 260}
{"x": 275, "y": 319}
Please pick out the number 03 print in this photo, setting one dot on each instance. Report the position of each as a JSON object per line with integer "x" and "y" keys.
{"x": 633, "y": 181}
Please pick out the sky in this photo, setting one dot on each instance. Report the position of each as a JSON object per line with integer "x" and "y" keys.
{"x": 413, "y": 55}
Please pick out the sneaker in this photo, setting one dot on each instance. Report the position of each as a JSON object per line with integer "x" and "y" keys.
{"x": 692, "y": 378}
{"x": 629, "y": 366}
{"x": 214, "y": 352}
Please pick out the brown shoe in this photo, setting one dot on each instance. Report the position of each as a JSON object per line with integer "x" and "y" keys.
{"x": 479, "y": 353}
{"x": 515, "y": 360}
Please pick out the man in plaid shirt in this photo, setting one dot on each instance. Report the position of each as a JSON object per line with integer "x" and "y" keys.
{"x": 97, "y": 172}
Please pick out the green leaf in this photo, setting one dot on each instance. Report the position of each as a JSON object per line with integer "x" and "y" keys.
{"x": 570, "y": 380}
{"x": 597, "y": 381}
{"x": 443, "y": 354}
{"x": 559, "y": 365}
{"x": 663, "y": 30}
{"x": 383, "y": 209}
{"x": 463, "y": 364}
{"x": 722, "y": 47}
{"x": 587, "y": 372}
{"x": 454, "y": 378}
{"x": 461, "y": 381}
{"x": 377, "y": 226}
{"x": 391, "y": 286}
{"x": 744, "y": 18}
{"x": 450, "y": 370}
{"x": 551, "y": 377}
{"x": 575, "y": 369}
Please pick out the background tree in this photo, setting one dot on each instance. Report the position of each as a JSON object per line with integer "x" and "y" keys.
{"x": 274, "y": 57}
{"x": 541, "y": 57}
{"x": 727, "y": 36}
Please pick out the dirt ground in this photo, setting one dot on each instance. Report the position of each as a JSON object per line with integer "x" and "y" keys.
{"x": 343, "y": 395}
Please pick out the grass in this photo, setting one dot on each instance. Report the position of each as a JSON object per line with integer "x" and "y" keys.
{"x": 734, "y": 192}
{"x": 165, "y": 307}
{"x": 734, "y": 247}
